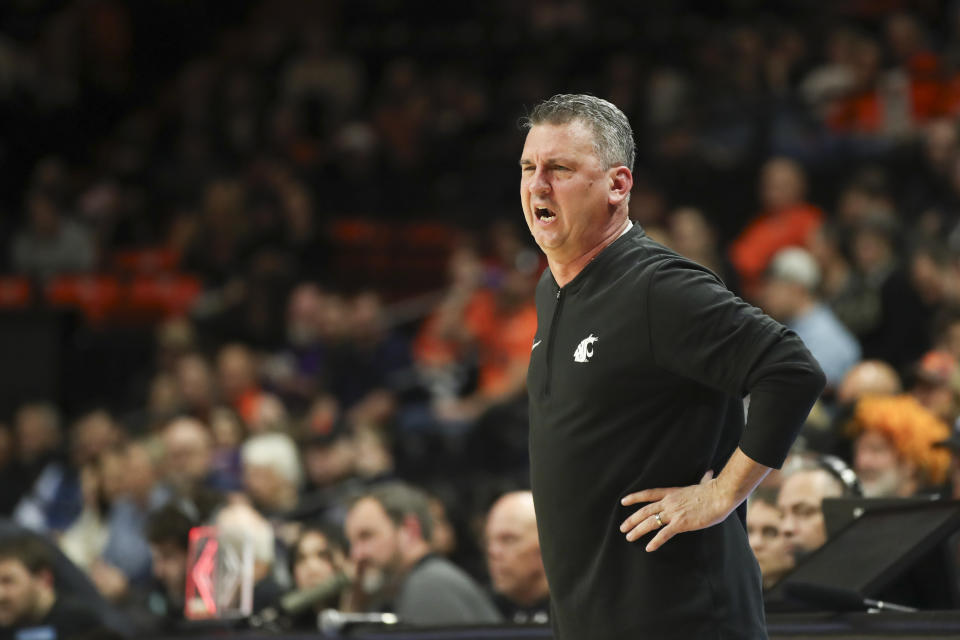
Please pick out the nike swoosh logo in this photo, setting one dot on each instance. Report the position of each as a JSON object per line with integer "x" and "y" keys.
{"x": 535, "y": 345}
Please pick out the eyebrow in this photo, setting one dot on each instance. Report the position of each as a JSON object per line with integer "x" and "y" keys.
{"x": 524, "y": 161}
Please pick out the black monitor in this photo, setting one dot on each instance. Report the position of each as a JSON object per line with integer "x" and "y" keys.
{"x": 893, "y": 553}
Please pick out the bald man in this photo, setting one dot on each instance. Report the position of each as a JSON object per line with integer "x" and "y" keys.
{"x": 870, "y": 377}
{"x": 801, "y": 502}
{"x": 188, "y": 460}
{"x": 513, "y": 559}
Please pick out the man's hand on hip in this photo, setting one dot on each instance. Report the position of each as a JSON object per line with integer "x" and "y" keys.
{"x": 678, "y": 509}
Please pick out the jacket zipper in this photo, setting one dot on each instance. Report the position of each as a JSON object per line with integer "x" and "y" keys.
{"x": 549, "y": 354}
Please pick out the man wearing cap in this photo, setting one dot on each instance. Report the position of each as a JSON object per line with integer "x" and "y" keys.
{"x": 790, "y": 295}
{"x": 636, "y": 380}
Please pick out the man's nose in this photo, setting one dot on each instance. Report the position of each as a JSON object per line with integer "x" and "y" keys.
{"x": 787, "y": 528}
{"x": 539, "y": 182}
{"x": 357, "y": 553}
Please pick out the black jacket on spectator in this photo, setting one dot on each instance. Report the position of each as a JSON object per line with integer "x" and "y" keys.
{"x": 68, "y": 618}
{"x": 73, "y": 585}
{"x": 636, "y": 381}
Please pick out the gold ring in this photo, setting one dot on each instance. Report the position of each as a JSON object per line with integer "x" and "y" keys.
{"x": 659, "y": 521}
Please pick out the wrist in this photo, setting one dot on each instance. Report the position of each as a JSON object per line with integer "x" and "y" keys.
{"x": 726, "y": 492}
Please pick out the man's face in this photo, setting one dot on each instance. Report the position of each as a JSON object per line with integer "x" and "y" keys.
{"x": 878, "y": 465}
{"x": 18, "y": 593}
{"x": 564, "y": 190}
{"x": 513, "y": 551}
{"x": 800, "y": 501}
{"x": 187, "y": 453}
{"x": 939, "y": 398}
{"x": 778, "y": 298}
{"x": 263, "y": 484}
{"x": 170, "y": 568}
{"x": 374, "y": 543}
{"x": 767, "y": 541}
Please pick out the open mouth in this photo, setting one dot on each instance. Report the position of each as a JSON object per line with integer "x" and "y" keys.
{"x": 544, "y": 214}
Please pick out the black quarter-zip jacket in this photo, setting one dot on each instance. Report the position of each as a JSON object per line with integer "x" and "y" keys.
{"x": 636, "y": 381}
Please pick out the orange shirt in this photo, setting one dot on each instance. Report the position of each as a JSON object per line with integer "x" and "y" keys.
{"x": 505, "y": 342}
{"x": 767, "y": 234}
{"x": 502, "y": 339}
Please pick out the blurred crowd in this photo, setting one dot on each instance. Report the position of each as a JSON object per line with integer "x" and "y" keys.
{"x": 371, "y": 437}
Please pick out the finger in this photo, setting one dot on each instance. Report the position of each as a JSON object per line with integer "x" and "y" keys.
{"x": 639, "y": 516}
{"x": 661, "y": 538}
{"x": 707, "y": 477}
{"x": 647, "y": 495}
{"x": 642, "y": 529}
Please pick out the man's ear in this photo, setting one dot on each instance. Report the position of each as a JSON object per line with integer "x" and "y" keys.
{"x": 621, "y": 182}
{"x": 410, "y": 528}
{"x": 45, "y": 577}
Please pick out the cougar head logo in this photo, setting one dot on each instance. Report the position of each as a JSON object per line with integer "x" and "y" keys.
{"x": 585, "y": 349}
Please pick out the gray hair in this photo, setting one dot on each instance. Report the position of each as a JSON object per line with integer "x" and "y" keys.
{"x": 400, "y": 500}
{"x": 612, "y": 135}
{"x": 276, "y": 451}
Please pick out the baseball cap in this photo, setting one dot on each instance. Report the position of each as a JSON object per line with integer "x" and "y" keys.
{"x": 797, "y": 265}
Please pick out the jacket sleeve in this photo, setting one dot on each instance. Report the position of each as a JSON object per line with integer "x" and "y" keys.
{"x": 700, "y": 330}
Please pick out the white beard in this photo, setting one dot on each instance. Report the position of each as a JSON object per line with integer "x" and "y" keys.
{"x": 884, "y": 485}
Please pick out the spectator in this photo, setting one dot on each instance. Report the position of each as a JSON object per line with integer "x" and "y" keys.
{"x": 51, "y": 244}
{"x": 937, "y": 385}
{"x": 168, "y": 534}
{"x": 135, "y": 495}
{"x": 389, "y": 529}
{"x": 519, "y": 582}
{"x": 765, "y": 532}
{"x": 317, "y": 558}
{"x": 188, "y": 458}
{"x": 237, "y": 374}
{"x": 49, "y": 489}
{"x": 947, "y": 331}
{"x": 239, "y": 523}
{"x": 785, "y": 220}
{"x": 789, "y": 295}
{"x": 93, "y": 434}
{"x": 442, "y": 344}
{"x": 30, "y": 602}
{"x": 801, "y": 501}
{"x": 841, "y": 286}
{"x": 196, "y": 388}
{"x": 893, "y": 446}
{"x": 692, "y": 236}
{"x": 271, "y": 472}
{"x": 503, "y": 325}
{"x": 372, "y": 366}
{"x": 297, "y": 370}
{"x": 870, "y": 377}
{"x": 899, "y": 334}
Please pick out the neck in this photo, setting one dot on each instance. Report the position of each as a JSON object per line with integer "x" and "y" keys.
{"x": 414, "y": 554}
{"x": 565, "y": 271}
{"x": 533, "y": 594}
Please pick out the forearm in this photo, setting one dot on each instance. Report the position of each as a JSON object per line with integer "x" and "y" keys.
{"x": 739, "y": 477}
